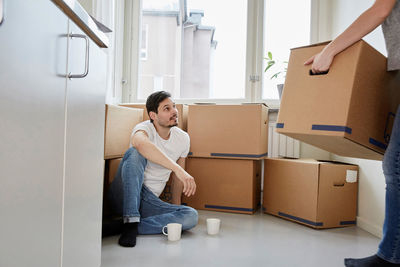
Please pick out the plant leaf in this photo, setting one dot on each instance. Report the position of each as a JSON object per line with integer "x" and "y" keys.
{"x": 270, "y": 64}
{"x": 275, "y": 75}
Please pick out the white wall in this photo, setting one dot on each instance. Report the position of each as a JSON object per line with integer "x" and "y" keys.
{"x": 311, "y": 152}
{"x": 341, "y": 14}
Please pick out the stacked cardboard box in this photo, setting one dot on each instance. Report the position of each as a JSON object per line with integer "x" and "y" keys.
{"x": 119, "y": 122}
{"x": 227, "y": 143}
{"x": 319, "y": 194}
{"x": 232, "y": 185}
{"x": 350, "y": 110}
{"x": 228, "y": 131}
{"x": 118, "y": 129}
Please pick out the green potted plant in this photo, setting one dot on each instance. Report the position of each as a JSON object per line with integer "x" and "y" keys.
{"x": 278, "y": 68}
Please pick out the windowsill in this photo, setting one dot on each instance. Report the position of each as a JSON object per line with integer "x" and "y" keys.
{"x": 272, "y": 107}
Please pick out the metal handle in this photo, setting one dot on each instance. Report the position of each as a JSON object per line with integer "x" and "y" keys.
{"x": 70, "y": 75}
{"x": 1, "y": 11}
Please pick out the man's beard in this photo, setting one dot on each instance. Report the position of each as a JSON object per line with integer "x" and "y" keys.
{"x": 167, "y": 125}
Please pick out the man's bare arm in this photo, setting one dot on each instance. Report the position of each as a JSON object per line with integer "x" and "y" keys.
{"x": 147, "y": 149}
{"x": 364, "y": 24}
{"x": 177, "y": 185}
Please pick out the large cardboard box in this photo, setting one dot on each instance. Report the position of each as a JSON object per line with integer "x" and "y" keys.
{"x": 350, "y": 110}
{"x": 182, "y": 113}
{"x": 111, "y": 167}
{"x": 110, "y": 171}
{"x": 318, "y": 194}
{"x": 230, "y": 131}
{"x": 166, "y": 194}
{"x": 118, "y": 129}
{"x": 231, "y": 185}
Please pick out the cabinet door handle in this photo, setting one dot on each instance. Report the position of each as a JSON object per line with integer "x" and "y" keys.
{"x": 70, "y": 75}
{"x": 1, "y": 11}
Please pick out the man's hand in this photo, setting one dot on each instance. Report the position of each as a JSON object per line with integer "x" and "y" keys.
{"x": 189, "y": 186}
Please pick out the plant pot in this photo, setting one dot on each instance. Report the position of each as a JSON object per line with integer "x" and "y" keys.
{"x": 280, "y": 89}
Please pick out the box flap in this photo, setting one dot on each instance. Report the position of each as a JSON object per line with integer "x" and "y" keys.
{"x": 311, "y": 45}
{"x": 260, "y": 103}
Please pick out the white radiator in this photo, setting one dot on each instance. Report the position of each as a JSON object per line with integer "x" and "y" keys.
{"x": 280, "y": 145}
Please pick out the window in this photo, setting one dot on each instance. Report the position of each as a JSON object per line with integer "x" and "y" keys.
{"x": 284, "y": 28}
{"x": 210, "y": 51}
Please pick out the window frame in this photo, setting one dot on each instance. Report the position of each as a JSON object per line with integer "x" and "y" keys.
{"x": 254, "y": 54}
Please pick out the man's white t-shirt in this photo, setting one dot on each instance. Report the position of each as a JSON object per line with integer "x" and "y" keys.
{"x": 177, "y": 146}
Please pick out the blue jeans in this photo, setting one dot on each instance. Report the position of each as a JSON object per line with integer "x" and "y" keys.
{"x": 389, "y": 248}
{"x": 130, "y": 198}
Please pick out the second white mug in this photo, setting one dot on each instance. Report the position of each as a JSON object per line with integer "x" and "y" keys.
{"x": 213, "y": 225}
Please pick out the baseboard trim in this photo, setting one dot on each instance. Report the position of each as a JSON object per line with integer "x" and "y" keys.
{"x": 369, "y": 227}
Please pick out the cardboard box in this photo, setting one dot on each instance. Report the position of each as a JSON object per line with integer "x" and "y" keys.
{"x": 315, "y": 193}
{"x": 111, "y": 167}
{"x": 120, "y": 122}
{"x": 166, "y": 194}
{"x": 349, "y": 111}
{"x": 229, "y": 131}
{"x": 182, "y": 113}
{"x": 110, "y": 171}
{"x": 231, "y": 185}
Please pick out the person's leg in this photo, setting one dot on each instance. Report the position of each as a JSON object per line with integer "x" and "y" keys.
{"x": 125, "y": 193}
{"x": 157, "y": 213}
{"x": 389, "y": 248}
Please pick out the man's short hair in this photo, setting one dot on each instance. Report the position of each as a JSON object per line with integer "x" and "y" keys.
{"x": 154, "y": 100}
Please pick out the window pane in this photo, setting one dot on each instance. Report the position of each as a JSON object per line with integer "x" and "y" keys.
{"x": 198, "y": 52}
{"x": 160, "y": 51}
{"x": 284, "y": 28}
{"x": 214, "y": 52}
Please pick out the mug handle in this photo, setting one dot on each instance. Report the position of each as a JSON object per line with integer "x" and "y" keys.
{"x": 164, "y": 231}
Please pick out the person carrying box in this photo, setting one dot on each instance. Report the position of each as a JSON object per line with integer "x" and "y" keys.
{"x": 387, "y": 14}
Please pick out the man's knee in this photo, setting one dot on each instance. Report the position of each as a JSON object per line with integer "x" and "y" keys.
{"x": 133, "y": 163}
{"x": 191, "y": 218}
{"x": 133, "y": 155}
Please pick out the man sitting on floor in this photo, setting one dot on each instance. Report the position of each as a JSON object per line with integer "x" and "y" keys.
{"x": 158, "y": 148}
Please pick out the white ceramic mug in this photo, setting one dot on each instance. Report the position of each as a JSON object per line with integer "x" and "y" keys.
{"x": 213, "y": 225}
{"x": 173, "y": 231}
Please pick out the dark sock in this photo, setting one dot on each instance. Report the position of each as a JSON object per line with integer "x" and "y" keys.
{"x": 129, "y": 233}
{"x": 372, "y": 261}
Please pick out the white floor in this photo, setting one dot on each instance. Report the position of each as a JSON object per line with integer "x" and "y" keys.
{"x": 244, "y": 240}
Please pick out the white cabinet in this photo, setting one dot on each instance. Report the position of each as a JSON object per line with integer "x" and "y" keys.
{"x": 51, "y": 140}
